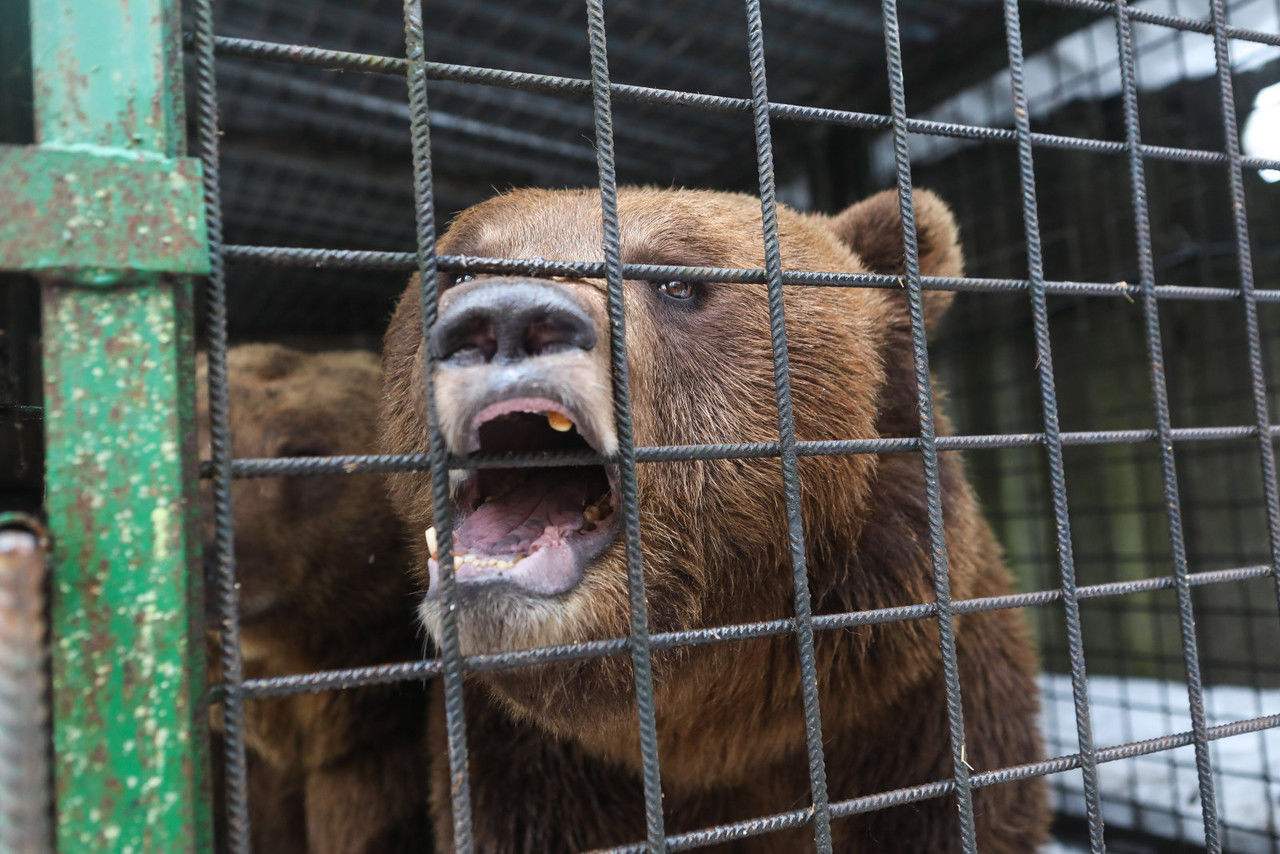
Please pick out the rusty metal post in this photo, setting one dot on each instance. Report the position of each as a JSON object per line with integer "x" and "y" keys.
{"x": 106, "y": 208}
{"x": 25, "y": 805}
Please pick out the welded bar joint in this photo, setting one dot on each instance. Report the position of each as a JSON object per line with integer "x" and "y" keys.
{"x": 611, "y": 244}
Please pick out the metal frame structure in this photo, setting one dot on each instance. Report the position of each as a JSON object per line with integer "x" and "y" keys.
{"x": 107, "y": 211}
{"x": 118, "y": 372}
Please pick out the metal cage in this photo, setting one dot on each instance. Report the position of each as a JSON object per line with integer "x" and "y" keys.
{"x": 1112, "y": 364}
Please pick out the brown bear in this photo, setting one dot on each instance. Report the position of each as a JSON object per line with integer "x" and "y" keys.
{"x": 323, "y": 583}
{"x": 522, "y": 364}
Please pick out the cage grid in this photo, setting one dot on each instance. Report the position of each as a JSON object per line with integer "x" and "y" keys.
{"x": 1012, "y": 394}
{"x": 787, "y": 449}
{"x": 1114, "y": 506}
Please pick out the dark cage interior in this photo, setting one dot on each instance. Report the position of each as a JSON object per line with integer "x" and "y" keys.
{"x": 1111, "y": 365}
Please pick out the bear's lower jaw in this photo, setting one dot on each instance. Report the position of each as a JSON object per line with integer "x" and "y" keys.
{"x": 552, "y": 568}
{"x": 498, "y": 616}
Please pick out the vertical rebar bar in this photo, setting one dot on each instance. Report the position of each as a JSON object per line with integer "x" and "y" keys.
{"x": 641, "y": 652}
{"x": 1052, "y": 432}
{"x": 1248, "y": 293}
{"x": 1164, "y": 425}
{"x": 442, "y": 506}
{"x": 207, "y": 141}
{"x": 787, "y": 432}
{"x": 1253, "y": 335}
{"x": 928, "y": 435}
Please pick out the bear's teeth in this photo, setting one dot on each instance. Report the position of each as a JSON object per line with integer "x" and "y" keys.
{"x": 591, "y": 514}
{"x": 558, "y": 422}
{"x": 490, "y": 562}
{"x": 473, "y": 559}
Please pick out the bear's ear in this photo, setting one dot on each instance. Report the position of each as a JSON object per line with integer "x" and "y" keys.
{"x": 873, "y": 229}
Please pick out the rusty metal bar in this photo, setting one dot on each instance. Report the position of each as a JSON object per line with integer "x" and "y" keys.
{"x": 25, "y": 806}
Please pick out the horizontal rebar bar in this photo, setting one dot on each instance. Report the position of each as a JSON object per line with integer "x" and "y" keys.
{"x": 913, "y": 794}
{"x": 554, "y": 84}
{"x": 329, "y": 680}
{"x": 362, "y": 259}
{"x": 1176, "y": 22}
{"x": 368, "y": 463}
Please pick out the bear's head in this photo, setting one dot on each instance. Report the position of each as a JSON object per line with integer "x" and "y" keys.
{"x": 317, "y": 557}
{"x": 523, "y": 365}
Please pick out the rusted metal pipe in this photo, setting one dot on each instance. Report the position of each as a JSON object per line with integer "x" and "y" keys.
{"x": 25, "y": 792}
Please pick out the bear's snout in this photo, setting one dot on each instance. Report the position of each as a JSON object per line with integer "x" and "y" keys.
{"x": 501, "y": 339}
{"x": 509, "y": 321}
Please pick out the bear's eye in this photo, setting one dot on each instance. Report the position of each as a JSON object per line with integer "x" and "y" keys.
{"x": 677, "y": 290}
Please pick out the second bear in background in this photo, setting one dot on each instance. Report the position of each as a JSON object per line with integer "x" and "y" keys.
{"x": 322, "y": 585}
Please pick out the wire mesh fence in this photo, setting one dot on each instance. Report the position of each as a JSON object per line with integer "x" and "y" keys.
{"x": 1111, "y": 363}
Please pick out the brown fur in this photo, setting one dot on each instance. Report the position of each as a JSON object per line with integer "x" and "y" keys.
{"x": 321, "y": 565}
{"x": 554, "y": 754}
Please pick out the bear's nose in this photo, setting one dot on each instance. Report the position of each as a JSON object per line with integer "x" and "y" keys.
{"x": 505, "y": 320}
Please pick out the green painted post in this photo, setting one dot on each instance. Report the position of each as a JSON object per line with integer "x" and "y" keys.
{"x": 115, "y": 227}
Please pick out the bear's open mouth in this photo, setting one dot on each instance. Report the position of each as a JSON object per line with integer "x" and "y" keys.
{"x": 534, "y": 527}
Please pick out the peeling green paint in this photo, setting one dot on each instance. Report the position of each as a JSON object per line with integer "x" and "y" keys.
{"x": 98, "y": 217}
{"x": 108, "y": 73}
{"x": 110, "y": 215}
{"x": 126, "y": 708}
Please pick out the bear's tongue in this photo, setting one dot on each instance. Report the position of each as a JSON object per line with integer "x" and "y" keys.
{"x": 527, "y": 507}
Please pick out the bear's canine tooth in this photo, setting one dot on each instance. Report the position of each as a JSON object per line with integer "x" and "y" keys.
{"x": 558, "y": 422}
{"x": 431, "y": 541}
